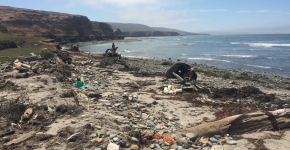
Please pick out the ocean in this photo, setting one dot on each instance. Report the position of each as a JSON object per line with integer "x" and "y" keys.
{"x": 267, "y": 54}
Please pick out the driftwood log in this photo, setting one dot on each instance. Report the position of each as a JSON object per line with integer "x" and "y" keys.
{"x": 243, "y": 123}
{"x": 22, "y": 138}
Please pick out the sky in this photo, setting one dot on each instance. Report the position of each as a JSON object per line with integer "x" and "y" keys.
{"x": 199, "y": 16}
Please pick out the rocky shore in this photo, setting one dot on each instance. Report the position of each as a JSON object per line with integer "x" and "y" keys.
{"x": 125, "y": 106}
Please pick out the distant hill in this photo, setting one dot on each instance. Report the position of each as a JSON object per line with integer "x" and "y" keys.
{"x": 175, "y": 30}
{"x": 131, "y": 27}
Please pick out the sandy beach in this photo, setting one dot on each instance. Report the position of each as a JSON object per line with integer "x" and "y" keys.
{"x": 124, "y": 105}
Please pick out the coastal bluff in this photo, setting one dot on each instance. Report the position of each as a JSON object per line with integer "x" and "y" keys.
{"x": 59, "y": 26}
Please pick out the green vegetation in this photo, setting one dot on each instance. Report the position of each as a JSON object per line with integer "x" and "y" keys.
{"x": 47, "y": 54}
{"x": 7, "y": 44}
{"x": 26, "y": 45}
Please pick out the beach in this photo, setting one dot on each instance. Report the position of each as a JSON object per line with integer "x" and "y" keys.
{"x": 257, "y": 53}
{"x": 125, "y": 106}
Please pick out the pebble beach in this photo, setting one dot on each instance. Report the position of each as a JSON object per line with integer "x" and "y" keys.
{"x": 124, "y": 105}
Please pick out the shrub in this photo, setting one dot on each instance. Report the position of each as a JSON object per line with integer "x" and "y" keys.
{"x": 7, "y": 44}
{"x": 47, "y": 54}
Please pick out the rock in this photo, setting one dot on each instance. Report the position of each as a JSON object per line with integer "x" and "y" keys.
{"x": 217, "y": 147}
{"x": 187, "y": 146}
{"x": 27, "y": 114}
{"x": 21, "y": 75}
{"x": 102, "y": 132}
{"x": 152, "y": 146}
{"x": 217, "y": 136}
{"x": 144, "y": 116}
{"x": 100, "y": 116}
{"x": 99, "y": 140}
{"x": 174, "y": 136}
{"x": 232, "y": 82}
{"x": 67, "y": 122}
{"x": 98, "y": 127}
{"x": 73, "y": 121}
{"x": 203, "y": 141}
{"x": 115, "y": 139}
{"x": 82, "y": 98}
{"x": 93, "y": 95}
{"x": 191, "y": 136}
{"x": 180, "y": 148}
{"x": 174, "y": 146}
{"x": 113, "y": 146}
{"x": 183, "y": 140}
{"x": 212, "y": 139}
{"x": 158, "y": 146}
{"x": 206, "y": 148}
{"x": 134, "y": 147}
{"x": 93, "y": 135}
{"x": 231, "y": 142}
{"x": 134, "y": 139}
{"x": 113, "y": 135}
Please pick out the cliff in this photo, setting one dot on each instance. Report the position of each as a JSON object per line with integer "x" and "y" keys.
{"x": 103, "y": 31}
{"x": 59, "y": 26}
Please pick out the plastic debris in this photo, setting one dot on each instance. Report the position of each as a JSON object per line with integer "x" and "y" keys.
{"x": 81, "y": 84}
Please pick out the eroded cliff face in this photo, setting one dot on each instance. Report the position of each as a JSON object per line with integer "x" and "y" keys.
{"x": 104, "y": 31}
{"x": 59, "y": 26}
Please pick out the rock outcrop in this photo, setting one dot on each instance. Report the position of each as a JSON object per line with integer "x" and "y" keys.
{"x": 58, "y": 26}
{"x": 104, "y": 30}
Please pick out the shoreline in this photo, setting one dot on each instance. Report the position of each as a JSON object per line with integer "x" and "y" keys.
{"x": 220, "y": 72}
{"x": 67, "y": 117}
{"x": 270, "y": 71}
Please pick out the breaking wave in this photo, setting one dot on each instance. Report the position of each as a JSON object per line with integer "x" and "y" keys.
{"x": 239, "y": 56}
{"x": 208, "y": 59}
{"x": 187, "y": 44}
{"x": 127, "y": 51}
{"x": 262, "y": 44}
{"x": 256, "y": 66}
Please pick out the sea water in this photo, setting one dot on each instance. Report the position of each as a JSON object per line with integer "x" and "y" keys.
{"x": 264, "y": 54}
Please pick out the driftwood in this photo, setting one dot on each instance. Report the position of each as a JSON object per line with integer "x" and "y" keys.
{"x": 22, "y": 138}
{"x": 177, "y": 76}
{"x": 240, "y": 124}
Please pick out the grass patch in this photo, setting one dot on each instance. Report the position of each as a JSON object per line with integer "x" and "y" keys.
{"x": 26, "y": 46}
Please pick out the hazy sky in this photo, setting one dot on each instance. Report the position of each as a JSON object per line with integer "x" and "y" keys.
{"x": 207, "y": 16}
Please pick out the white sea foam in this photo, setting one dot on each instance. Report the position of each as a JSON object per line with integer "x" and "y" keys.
{"x": 262, "y": 44}
{"x": 127, "y": 51}
{"x": 208, "y": 59}
{"x": 187, "y": 44}
{"x": 256, "y": 66}
{"x": 200, "y": 58}
{"x": 239, "y": 56}
{"x": 270, "y": 58}
{"x": 139, "y": 57}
